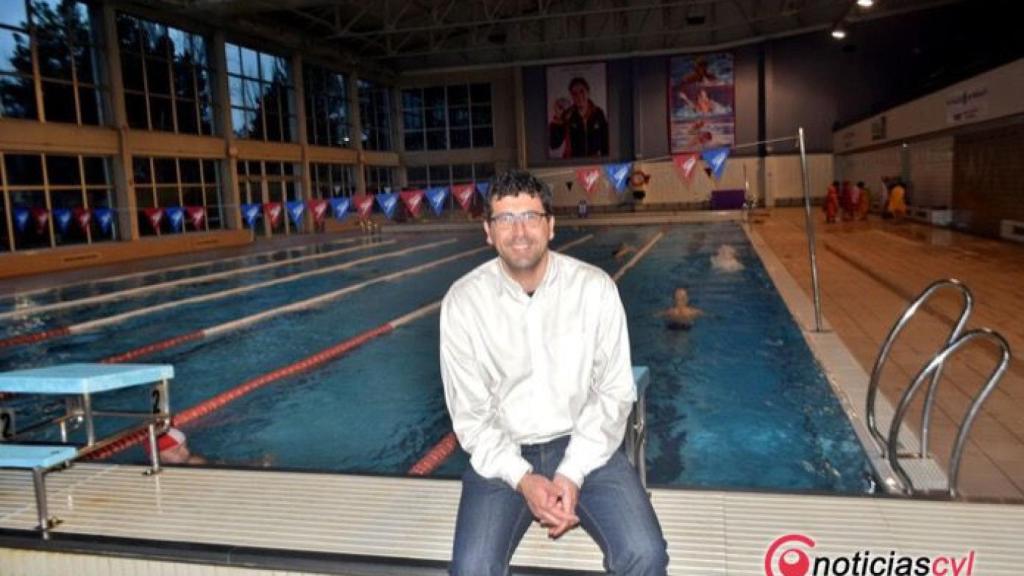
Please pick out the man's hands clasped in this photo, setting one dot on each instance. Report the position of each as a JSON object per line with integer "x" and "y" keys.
{"x": 552, "y": 502}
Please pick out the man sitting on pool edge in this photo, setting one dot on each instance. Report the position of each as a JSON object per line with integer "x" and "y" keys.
{"x": 538, "y": 381}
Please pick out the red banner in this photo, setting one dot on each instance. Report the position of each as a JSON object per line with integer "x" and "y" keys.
{"x": 196, "y": 216}
{"x": 83, "y": 216}
{"x": 685, "y": 164}
{"x": 41, "y": 216}
{"x": 272, "y": 212}
{"x": 364, "y": 205}
{"x": 154, "y": 216}
{"x": 413, "y": 200}
{"x": 464, "y": 195}
{"x": 318, "y": 207}
{"x": 589, "y": 177}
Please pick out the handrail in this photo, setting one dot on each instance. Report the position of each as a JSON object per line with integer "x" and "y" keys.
{"x": 933, "y": 368}
{"x": 883, "y": 356}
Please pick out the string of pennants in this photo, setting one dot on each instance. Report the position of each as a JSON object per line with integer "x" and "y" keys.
{"x": 686, "y": 164}
{"x": 62, "y": 218}
{"x": 362, "y": 204}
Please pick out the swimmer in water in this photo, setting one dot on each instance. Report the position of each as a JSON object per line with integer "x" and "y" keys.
{"x": 725, "y": 260}
{"x": 681, "y": 315}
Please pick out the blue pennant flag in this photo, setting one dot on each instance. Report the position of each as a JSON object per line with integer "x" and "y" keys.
{"x": 484, "y": 188}
{"x": 62, "y": 217}
{"x": 339, "y": 207}
{"x": 175, "y": 217}
{"x": 104, "y": 217}
{"x": 715, "y": 159}
{"x": 437, "y": 195}
{"x": 387, "y": 202}
{"x": 618, "y": 174}
{"x": 251, "y": 213}
{"x": 21, "y": 215}
{"x": 296, "y": 208}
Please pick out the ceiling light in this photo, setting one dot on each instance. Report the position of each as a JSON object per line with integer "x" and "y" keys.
{"x": 865, "y": 3}
{"x": 838, "y": 33}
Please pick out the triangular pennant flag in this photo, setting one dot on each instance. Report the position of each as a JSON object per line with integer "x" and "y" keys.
{"x": 413, "y": 200}
{"x": 296, "y": 208}
{"x": 250, "y": 213}
{"x": 318, "y": 208}
{"x": 40, "y": 216}
{"x": 715, "y": 159}
{"x": 463, "y": 194}
{"x": 83, "y": 216}
{"x": 175, "y": 217}
{"x": 568, "y": 185}
{"x": 589, "y": 177}
{"x": 196, "y": 216}
{"x": 484, "y": 188}
{"x": 387, "y": 202}
{"x": 363, "y": 204}
{"x": 436, "y": 195}
{"x": 105, "y": 218}
{"x": 272, "y": 210}
{"x": 339, "y": 207}
{"x": 618, "y": 175}
{"x": 685, "y": 164}
{"x": 154, "y": 216}
{"x": 62, "y": 218}
{"x": 21, "y": 216}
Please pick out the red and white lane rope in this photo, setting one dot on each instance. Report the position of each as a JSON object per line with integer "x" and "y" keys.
{"x": 156, "y": 287}
{"x": 118, "y": 318}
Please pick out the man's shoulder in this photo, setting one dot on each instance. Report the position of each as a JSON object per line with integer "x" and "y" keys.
{"x": 576, "y": 269}
{"x": 483, "y": 277}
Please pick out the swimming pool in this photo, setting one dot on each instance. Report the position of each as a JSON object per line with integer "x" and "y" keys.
{"x": 738, "y": 401}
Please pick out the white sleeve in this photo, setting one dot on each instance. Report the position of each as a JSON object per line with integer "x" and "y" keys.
{"x": 601, "y": 424}
{"x": 472, "y": 405}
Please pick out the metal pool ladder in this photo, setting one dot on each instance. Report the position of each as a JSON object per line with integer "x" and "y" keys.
{"x": 920, "y": 464}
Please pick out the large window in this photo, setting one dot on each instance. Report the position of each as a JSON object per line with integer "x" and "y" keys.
{"x": 167, "y": 77}
{"x": 447, "y": 175}
{"x": 66, "y": 53}
{"x": 52, "y": 200}
{"x": 262, "y": 95}
{"x": 330, "y": 180}
{"x": 327, "y": 117}
{"x": 375, "y": 115}
{"x": 268, "y": 182}
{"x": 379, "y": 179}
{"x": 447, "y": 117}
{"x": 186, "y": 185}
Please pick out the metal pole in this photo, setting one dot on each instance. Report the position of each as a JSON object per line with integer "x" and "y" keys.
{"x": 810, "y": 232}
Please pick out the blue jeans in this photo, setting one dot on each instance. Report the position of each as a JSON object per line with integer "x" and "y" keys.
{"x": 613, "y": 508}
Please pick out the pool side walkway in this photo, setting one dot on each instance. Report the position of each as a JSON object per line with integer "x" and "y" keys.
{"x": 870, "y": 271}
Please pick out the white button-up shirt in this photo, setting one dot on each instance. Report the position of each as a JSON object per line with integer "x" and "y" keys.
{"x": 526, "y": 370}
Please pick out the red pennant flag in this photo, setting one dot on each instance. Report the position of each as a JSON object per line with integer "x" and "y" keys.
{"x": 272, "y": 211}
{"x": 364, "y": 205}
{"x": 318, "y": 207}
{"x": 685, "y": 164}
{"x": 196, "y": 216}
{"x": 83, "y": 216}
{"x": 589, "y": 177}
{"x": 464, "y": 195}
{"x": 154, "y": 216}
{"x": 41, "y": 217}
{"x": 413, "y": 200}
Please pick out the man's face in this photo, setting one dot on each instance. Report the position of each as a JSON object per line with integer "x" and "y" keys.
{"x": 521, "y": 246}
{"x": 580, "y": 95}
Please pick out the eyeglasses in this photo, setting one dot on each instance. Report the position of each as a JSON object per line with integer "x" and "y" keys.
{"x": 507, "y": 220}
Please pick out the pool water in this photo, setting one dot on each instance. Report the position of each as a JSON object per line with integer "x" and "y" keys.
{"x": 738, "y": 401}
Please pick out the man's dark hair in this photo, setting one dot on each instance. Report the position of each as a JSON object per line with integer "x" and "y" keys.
{"x": 578, "y": 80}
{"x": 514, "y": 183}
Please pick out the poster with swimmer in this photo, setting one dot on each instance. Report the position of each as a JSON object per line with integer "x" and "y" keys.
{"x": 701, "y": 102}
{"x": 577, "y": 100}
